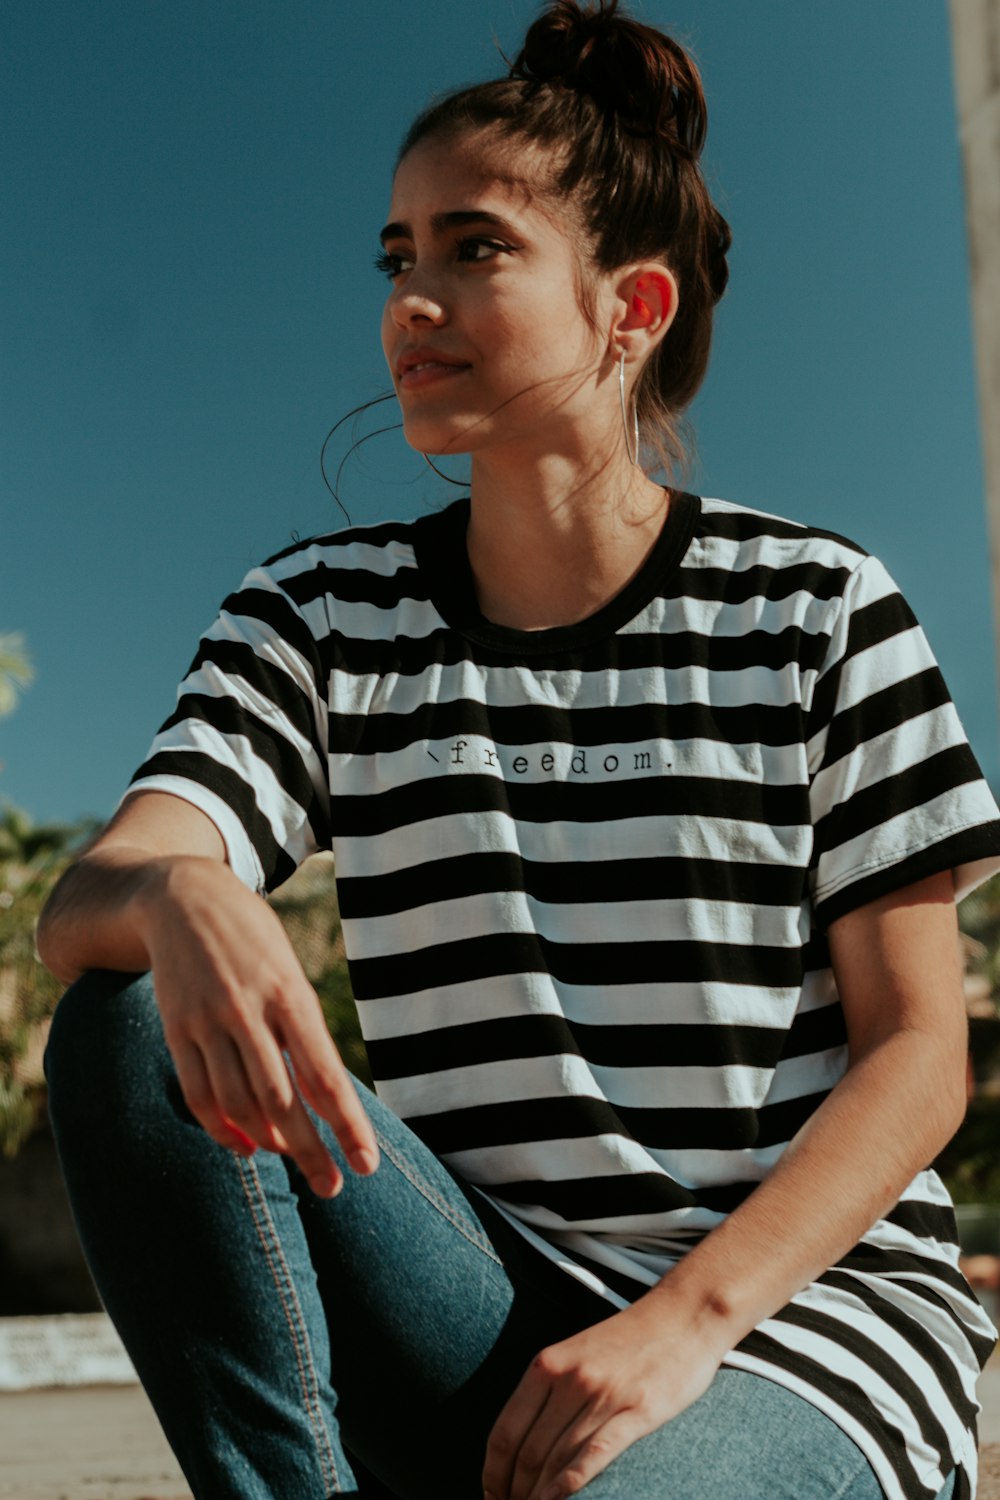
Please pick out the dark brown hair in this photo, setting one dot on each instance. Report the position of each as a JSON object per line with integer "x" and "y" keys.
{"x": 621, "y": 107}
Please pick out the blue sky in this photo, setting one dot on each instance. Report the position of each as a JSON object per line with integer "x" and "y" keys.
{"x": 188, "y": 305}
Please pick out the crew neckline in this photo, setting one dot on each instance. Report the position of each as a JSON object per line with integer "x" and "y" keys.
{"x": 443, "y": 559}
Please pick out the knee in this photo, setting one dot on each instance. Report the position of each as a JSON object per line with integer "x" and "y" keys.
{"x": 105, "y": 1037}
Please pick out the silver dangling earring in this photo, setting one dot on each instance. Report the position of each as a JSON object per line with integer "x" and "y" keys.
{"x": 460, "y": 482}
{"x": 633, "y": 451}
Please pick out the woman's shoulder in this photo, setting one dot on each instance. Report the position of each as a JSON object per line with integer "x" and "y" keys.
{"x": 764, "y": 531}
{"x": 352, "y": 547}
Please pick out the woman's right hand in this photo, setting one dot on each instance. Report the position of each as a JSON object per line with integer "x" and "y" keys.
{"x": 242, "y": 1022}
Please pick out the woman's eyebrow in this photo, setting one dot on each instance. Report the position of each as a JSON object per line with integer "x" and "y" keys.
{"x": 454, "y": 218}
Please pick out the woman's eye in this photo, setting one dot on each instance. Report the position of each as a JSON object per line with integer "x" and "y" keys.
{"x": 469, "y": 249}
{"x": 391, "y": 265}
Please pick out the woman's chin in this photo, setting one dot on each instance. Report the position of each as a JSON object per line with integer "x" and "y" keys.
{"x": 434, "y": 437}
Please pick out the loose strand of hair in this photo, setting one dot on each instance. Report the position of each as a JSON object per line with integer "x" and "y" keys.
{"x": 333, "y": 487}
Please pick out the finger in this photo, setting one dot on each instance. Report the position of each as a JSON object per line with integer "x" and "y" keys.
{"x": 327, "y": 1084}
{"x": 510, "y": 1431}
{"x": 274, "y": 1088}
{"x": 200, "y": 1100}
{"x": 235, "y": 1097}
{"x": 593, "y": 1455}
{"x": 552, "y": 1440}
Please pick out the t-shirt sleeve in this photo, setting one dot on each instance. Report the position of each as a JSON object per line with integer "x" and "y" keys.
{"x": 247, "y": 742}
{"x": 896, "y": 793}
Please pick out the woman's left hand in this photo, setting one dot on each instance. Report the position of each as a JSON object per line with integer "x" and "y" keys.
{"x": 584, "y": 1401}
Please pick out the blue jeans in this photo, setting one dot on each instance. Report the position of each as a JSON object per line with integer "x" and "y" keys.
{"x": 296, "y": 1348}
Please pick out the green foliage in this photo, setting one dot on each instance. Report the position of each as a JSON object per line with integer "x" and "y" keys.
{"x": 16, "y": 671}
{"x": 979, "y": 917}
{"x": 970, "y": 1163}
{"x": 31, "y": 860}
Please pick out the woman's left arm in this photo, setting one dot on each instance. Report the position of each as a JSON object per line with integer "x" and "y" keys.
{"x": 583, "y": 1401}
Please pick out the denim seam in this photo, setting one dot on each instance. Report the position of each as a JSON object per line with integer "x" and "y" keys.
{"x": 435, "y": 1200}
{"x": 292, "y": 1310}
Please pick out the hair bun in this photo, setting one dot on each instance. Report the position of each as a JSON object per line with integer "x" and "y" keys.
{"x": 629, "y": 70}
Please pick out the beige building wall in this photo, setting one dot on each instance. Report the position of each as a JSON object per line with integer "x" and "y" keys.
{"x": 975, "y": 26}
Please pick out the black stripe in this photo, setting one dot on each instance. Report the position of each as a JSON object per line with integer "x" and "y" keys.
{"x": 745, "y": 526}
{"x": 719, "y": 1129}
{"x": 735, "y": 586}
{"x": 617, "y": 1197}
{"x": 194, "y": 766}
{"x": 885, "y": 710}
{"x": 912, "y": 1333}
{"x": 614, "y": 1046}
{"x": 352, "y": 585}
{"x": 271, "y": 609}
{"x": 229, "y": 719}
{"x": 871, "y": 624}
{"x": 927, "y": 1221}
{"x": 572, "y": 802}
{"x": 871, "y": 806}
{"x": 874, "y": 1260}
{"x": 520, "y": 728}
{"x": 753, "y": 650}
{"x": 466, "y": 960}
{"x": 237, "y": 659}
{"x": 476, "y": 1126}
{"x": 815, "y": 1031}
{"x": 382, "y": 534}
{"x": 972, "y": 844}
{"x": 874, "y": 1357}
{"x": 670, "y": 878}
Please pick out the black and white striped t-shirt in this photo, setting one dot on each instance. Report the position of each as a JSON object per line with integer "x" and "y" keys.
{"x": 585, "y": 876}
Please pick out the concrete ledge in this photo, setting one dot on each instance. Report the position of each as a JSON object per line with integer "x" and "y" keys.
{"x": 70, "y": 1349}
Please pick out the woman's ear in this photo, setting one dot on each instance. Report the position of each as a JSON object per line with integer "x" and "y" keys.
{"x": 647, "y": 305}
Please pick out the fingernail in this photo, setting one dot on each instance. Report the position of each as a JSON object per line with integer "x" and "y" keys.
{"x": 364, "y": 1160}
{"x": 325, "y": 1186}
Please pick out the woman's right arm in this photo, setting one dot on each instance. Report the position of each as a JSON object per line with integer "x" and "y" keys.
{"x": 154, "y": 892}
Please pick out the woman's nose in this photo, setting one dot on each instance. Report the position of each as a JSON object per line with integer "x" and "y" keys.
{"x": 416, "y": 303}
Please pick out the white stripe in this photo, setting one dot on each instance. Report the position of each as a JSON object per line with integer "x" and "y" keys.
{"x": 527, "y": 1078}
{"x": 567, "y": 1074}
{"x": 884, "y": 756}
{"x": 497, "y": 996}
{"x": 382, "y": 559}
{"x": 496, "y": 912}
{"x": 798, "y": 1077}
{"x": 287, "y": 819}
{"x": 554, "y": 760}
{"x": 209, "y": 682}
{"x": 882, "y": 665}
{"x": 908, "y": 832}
{"x": 687, "y": 835}
{"x": 519, "y": 687}
{"x": 553, "y": 1160}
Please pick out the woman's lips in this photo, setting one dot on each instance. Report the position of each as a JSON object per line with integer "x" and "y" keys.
{"x": 430, "y": 373}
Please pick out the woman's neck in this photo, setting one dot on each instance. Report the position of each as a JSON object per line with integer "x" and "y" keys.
{"x": 552, "y": 546}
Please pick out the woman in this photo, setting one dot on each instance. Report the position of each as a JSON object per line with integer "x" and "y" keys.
{"x": 649, "y": 815}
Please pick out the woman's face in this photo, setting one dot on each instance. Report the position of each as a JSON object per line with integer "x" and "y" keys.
{"x": 483, "y": 330}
